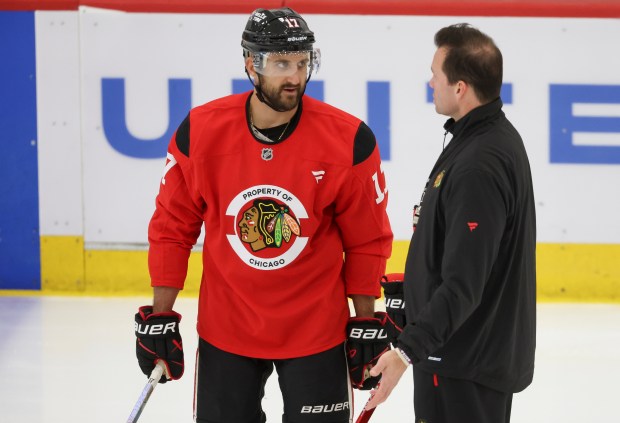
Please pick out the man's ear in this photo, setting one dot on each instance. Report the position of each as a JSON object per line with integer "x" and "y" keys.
{"x": 249, "y": 68}
{"x": 248, "y": 62}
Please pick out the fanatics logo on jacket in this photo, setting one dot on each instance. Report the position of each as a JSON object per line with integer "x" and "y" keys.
{"x": 267, "y": 229}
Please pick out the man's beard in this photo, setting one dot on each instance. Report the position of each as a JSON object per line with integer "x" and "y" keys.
{"x": 280, "y": 100}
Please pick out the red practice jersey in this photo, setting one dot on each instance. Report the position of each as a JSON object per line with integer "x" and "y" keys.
{"x": 291, "y": 228}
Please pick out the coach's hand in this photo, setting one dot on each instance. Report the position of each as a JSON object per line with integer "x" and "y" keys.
{"x": 158, "y": 338}
{"x": 367, "y": 339}
{"x": 390, "y": 367}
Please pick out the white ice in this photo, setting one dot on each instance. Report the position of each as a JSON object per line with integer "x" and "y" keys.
{"x": 72, "y": 359}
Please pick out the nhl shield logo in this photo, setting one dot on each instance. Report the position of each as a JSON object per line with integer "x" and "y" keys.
{"x": 267, "y": 154}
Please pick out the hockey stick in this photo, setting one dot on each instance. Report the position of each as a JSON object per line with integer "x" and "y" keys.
{"x": 364, "y": 416}
{"x": 156, "y": 374}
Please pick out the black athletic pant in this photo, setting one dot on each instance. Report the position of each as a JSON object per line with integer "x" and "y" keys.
{"x": 438, "y": 399}
{"x": 230, "y": 388}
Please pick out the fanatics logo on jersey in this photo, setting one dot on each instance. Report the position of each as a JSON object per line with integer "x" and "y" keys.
{"x": 267, "y": 227}
{"x": 318, "y": 175}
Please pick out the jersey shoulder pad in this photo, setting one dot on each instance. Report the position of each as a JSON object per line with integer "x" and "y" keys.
{"x": 209, "y": 112}
{"x": 182, "y": 136}
{"x": 364, "y": 143}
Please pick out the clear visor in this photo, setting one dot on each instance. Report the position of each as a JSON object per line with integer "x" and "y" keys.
{"x": 287, "y": 63}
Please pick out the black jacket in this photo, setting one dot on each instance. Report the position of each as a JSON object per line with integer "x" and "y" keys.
{"x": 470, "y": 279}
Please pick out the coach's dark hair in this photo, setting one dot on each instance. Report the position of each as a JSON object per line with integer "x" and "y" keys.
{"x": 472, "y": 57}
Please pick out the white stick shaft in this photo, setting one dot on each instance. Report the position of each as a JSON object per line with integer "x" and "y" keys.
{"x": 156, "y": 374}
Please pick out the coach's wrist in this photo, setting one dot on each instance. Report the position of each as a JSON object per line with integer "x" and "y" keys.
{"x": 403, "y": 356}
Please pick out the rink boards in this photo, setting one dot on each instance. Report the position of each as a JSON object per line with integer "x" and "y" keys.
{"x": 94, "y": 96}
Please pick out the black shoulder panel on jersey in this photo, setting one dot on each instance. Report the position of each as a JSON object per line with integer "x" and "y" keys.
{"x": 364, "y": 144}
{"x": 182, "y": 136}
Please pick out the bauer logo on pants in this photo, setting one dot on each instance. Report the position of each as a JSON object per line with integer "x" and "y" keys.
{"x": 267, "y": 230}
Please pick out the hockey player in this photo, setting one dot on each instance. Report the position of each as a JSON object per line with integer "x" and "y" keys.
{"x": 470, "y": 278}
{"x": 293, "y": 200}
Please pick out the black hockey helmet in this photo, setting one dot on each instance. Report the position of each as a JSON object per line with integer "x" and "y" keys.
{"x": 277, "y": 41}
{"x": 276, "y": 30}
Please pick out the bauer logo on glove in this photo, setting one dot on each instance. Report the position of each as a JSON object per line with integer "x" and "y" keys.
{"x": 367, "y": 333}
{"x": 367, "y": 339}
{"x": 158, "y": 338}
{"x": 143, "y": 329}
{"x": 394, "y": 304}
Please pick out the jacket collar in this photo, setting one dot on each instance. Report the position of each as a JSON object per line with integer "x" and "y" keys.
{"x": 476, "y": 115}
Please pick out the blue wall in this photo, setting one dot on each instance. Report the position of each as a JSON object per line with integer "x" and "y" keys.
{"x": 20, "y": 261}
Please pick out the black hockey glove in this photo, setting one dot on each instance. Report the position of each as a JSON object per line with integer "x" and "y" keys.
{"x": 367, "y": 339}
{"x": 158, "y": 338}
{"x": 394, "y": 304}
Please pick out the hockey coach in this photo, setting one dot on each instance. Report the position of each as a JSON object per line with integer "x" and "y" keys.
{"x": 470, "y": 280}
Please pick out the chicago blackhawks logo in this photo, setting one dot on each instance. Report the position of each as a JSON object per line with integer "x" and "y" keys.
{"x": 268, "y": 231}
{"x": 267, "y": 224}
{"x": 438, "y": 179}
